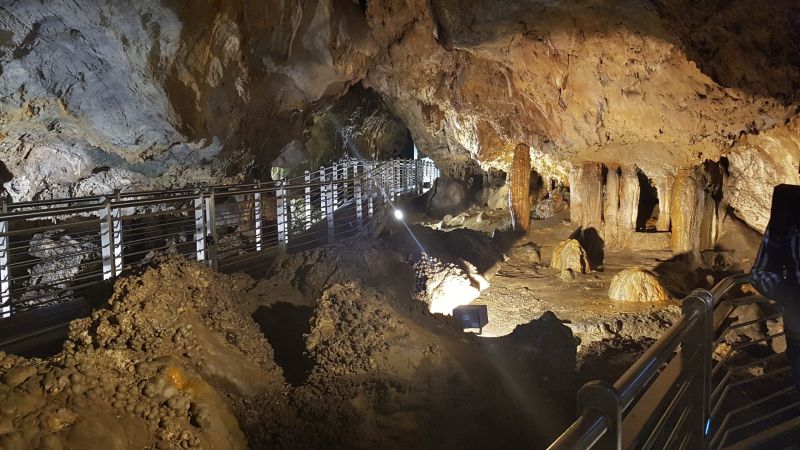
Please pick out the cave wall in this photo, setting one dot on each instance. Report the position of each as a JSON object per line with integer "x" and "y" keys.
{"x": 101, "y": 94}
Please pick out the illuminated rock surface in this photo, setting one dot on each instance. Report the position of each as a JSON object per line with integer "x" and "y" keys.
{"x": 637, "y": 285}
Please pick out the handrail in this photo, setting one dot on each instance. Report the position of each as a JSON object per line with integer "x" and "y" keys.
{"x": 94, "y": 239}
{"x": 597, "y": 419}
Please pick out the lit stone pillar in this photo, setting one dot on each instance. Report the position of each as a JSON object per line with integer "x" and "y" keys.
{"x": 686, "y": 207}
{"x": 586, "y": 195}
{"x": 521, "y": 187}
{"x": 709, "y": 223}
{"x": 664, "y": 191}
{"x": 611, "y": 207}
{"x": 628, "y": 199}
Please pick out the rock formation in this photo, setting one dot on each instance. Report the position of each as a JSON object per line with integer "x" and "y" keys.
{"x": 158, "y": 94}
{"x": 569, "y": 255}
{"x": 521, "y": 188}
{"x": 636, "y": 285}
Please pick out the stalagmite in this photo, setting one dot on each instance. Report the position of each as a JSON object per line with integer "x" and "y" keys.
{"x": 709, "y": 223}
{"x": 664, "y": 189}
{"x": 687, "y": 205}
{"x": 586, "y": 188}
{"x": 520, "y": 187}
{"x": 611, "y": 207}
{"x": 628, "y": 199}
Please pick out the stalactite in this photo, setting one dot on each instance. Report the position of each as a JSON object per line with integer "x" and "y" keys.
{"x": 586, "y": 192}
{"x": 611, "y": 206}
{"x": 628, "y": 199}
{"x": 686, "y": 207}
{"x": 664, "y": 189}
{"x": 520, "y": 187}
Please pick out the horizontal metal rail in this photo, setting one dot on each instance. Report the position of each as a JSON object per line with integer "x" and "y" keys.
{"x": 56, "y": 250}
{"x": 676, "y": 386}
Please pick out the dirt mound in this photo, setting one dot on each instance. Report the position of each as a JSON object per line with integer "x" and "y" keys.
{"x": 157, "y": 368}
{"x": 175, "y": 361}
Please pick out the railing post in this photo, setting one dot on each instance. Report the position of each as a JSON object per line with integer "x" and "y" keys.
{"x": 200, "y": 225}
{"x": 370, "y": 195}
{"x": 335, "y": 184}
{"x": 211, "y": 230}
{"x": 307, "y": 201}
{"x": 696, "y": 349}
{"x": 108, "y": 229}
{"x": 257, "y": 213}
{"x": 357, "y": 199}
{"x": 602, "y": 397}
{"x": 330, "y": 200}
{"x": 5, "y": 275}
{"x": 283, "y": 215}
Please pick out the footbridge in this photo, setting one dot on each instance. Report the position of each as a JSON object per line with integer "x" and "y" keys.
{"x": 57, "y": 257}
{"x": 717, "y": 379}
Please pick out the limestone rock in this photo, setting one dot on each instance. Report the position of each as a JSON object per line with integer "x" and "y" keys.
{"x": 444, "y": 286}
{"x": 556, "y": 202}
{"x": 570, "y": 255}
{"x": 567, "y": 275}
{"x": 637, "y": 285}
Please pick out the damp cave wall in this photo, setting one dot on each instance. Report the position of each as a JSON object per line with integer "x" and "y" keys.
{"x": 161, "y": 93}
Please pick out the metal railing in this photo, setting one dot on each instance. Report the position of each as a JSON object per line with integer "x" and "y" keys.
{"x": 52, "y": 251}
{"x": 703, "y": 384}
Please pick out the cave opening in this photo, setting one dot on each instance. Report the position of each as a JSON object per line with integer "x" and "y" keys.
{"x": 647, "y": 214}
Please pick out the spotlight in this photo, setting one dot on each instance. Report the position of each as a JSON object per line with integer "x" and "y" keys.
{"x": 398, "y": 214}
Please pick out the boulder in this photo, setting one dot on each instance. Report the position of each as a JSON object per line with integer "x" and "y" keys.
{"x": 637, "y": 285}
{"x": 570, "y": 255}
{"x": 443, "y": 286}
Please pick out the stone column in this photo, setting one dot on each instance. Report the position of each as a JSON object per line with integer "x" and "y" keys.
{"x": 611, "y": 207}
{"x": 521, "y": 187}
{"x": 686, "y": 210}
{"x": 586, "y": 194}
{"x": 628, "y": 199}
{"x": 664, "y": 191}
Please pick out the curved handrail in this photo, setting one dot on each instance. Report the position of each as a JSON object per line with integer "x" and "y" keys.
{"x": 592, "y": 424}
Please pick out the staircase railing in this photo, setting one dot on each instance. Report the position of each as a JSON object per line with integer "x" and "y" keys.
{"x": 688, "y": 389}
{"x": 56, "y": 250}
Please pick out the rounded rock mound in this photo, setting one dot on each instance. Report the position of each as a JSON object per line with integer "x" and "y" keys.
{"x": 637, "y": 285}
{"x": 570, "y": 255}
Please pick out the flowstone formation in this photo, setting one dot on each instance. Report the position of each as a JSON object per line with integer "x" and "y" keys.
{"x": 569, "y": 255}
{"x": 637, "y": 285}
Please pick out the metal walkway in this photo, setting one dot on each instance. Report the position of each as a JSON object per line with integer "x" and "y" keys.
{"x": 55, "y": 252}
{"x": 707, "y": 383}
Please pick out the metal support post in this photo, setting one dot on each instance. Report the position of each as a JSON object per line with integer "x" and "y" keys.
{"x": 109, "y": 230}
{"x": 357, "y": 198}
{"x": 257, "y": 213}
{"x": 200, "y": 226}
{"x": 330, "y": 208}
{"x": 307, "y": 202}
{"x": 335, "y": 184}
{"x": 370, "y": 195}
{"x": 211, "y": 230}
{"x": 603, "y": 398}
{"x": 5, "y": 275}
{"x": 393, "y": 180}
{"x": 283, "y": 215}
{"x": 696, "y": 351}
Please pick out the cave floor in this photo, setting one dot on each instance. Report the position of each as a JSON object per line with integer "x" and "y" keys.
{"x": 521, "y": 291}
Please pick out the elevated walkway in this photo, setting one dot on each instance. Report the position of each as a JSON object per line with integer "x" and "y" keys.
{"x": 58, "y": 258}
